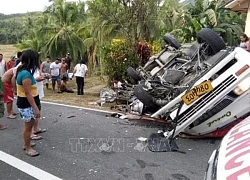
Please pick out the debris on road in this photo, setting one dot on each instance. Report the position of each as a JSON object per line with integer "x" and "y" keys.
{"x": 106, "y": 96}
{"x": 143, "y": 139}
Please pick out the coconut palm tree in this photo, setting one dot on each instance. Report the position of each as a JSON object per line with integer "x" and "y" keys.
{"x": 34, "y": 41}
{"x": 63, "y": 24}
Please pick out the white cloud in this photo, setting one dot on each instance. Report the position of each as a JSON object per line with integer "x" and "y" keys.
{"x": 23, "y": 6}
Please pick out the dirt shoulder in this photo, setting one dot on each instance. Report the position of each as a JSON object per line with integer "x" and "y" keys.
{"x": 92, "y": 88}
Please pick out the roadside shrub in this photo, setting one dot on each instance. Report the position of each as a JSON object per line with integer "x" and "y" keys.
{"x": 117, "y": 57}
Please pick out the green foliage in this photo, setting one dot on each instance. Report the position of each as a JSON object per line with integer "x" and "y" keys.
{"x": 190, "y": 18}
{"x": 64, "y": 18}
{"x": 70, "y": 27}
{"x": 117, "y": 57}
{"x": 13, "y": 27}
{"x": 133, "y": 20}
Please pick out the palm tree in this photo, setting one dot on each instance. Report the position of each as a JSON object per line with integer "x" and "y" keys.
{"x": 34, "y": 41}
{"x": 63, "y": 24}
{"x": 96, "y": 33}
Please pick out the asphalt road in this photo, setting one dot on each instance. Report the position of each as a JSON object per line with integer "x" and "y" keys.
{"x": 83, "y": 144}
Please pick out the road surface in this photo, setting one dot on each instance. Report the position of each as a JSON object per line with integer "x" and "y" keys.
{"x": 83, "y": 144}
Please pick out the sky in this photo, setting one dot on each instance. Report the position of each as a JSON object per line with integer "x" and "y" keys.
{"x": 23, "y": 6}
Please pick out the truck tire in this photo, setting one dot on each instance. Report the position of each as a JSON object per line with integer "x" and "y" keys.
{"x": 145, "y": 98}
{"x": 210, "y": 37}
{"x": 132, "y": 72}
{"x": 170, "y": 40}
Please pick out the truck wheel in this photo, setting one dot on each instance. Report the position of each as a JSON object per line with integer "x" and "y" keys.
{"x": 145, "y": 98}
{"x": 210, "y": 37}
{"x": 132, "y": 72}
{"x": 170, "y": 40}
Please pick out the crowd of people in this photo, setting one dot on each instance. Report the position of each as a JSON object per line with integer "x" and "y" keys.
{"x": 24, "y": 77}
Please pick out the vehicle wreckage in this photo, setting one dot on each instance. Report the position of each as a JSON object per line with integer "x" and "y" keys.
{"x": 197, "y": 88}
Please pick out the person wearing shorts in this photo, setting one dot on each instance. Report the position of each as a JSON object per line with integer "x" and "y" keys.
{"x": 2, "y": 127}
{"x": 28, "y": 101}
{"x": 8, "y": 93}
{"x": 55, "y": 69}
{"x": 45, "y": 68}
{"x": 63, "y": 72}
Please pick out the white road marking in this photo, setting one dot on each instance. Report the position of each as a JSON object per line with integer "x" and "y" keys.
{"x": 78, "y": 107}
{"x": 30, "y": 169}
{"x": 27, "y": 168}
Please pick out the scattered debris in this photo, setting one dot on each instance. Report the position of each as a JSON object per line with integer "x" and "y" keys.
{"x": 143, "y": 139}
{"x": 71, "y": 116}
{"x": 106, "y": 96}
{"x": 117, "y": 115}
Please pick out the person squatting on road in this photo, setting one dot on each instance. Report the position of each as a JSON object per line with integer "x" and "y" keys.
{"x": 55, "y": 69}
{"x": 9, "y": 92}
{"x": 80, "y": 72}
{"x": 28, "y": 101}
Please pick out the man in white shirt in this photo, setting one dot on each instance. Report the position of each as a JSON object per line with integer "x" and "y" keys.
{"x": 3, "y": 67}
{"x": 55, "y": 69}
{"x": 79, "y": 72}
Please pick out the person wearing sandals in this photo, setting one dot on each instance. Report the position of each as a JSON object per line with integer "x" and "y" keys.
{"x": 2, "y": 127}
{"x": 39, "y": 77}
{"x": 28, "y": 101}
{"x": 9, "y": 93}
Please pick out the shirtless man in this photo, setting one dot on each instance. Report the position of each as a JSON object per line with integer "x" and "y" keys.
{"x": 2, "y": 127}
{"x": 9, "y": 93}
{"x": 64, "y": 67}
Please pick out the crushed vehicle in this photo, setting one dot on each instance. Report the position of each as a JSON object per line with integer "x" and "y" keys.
{"x": 231, "y": 160}
{"x": 198, "y": 89}
{"x": 172, "y": 71}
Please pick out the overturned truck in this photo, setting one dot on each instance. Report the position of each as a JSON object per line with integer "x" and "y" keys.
{"x": 198, "y": 88}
